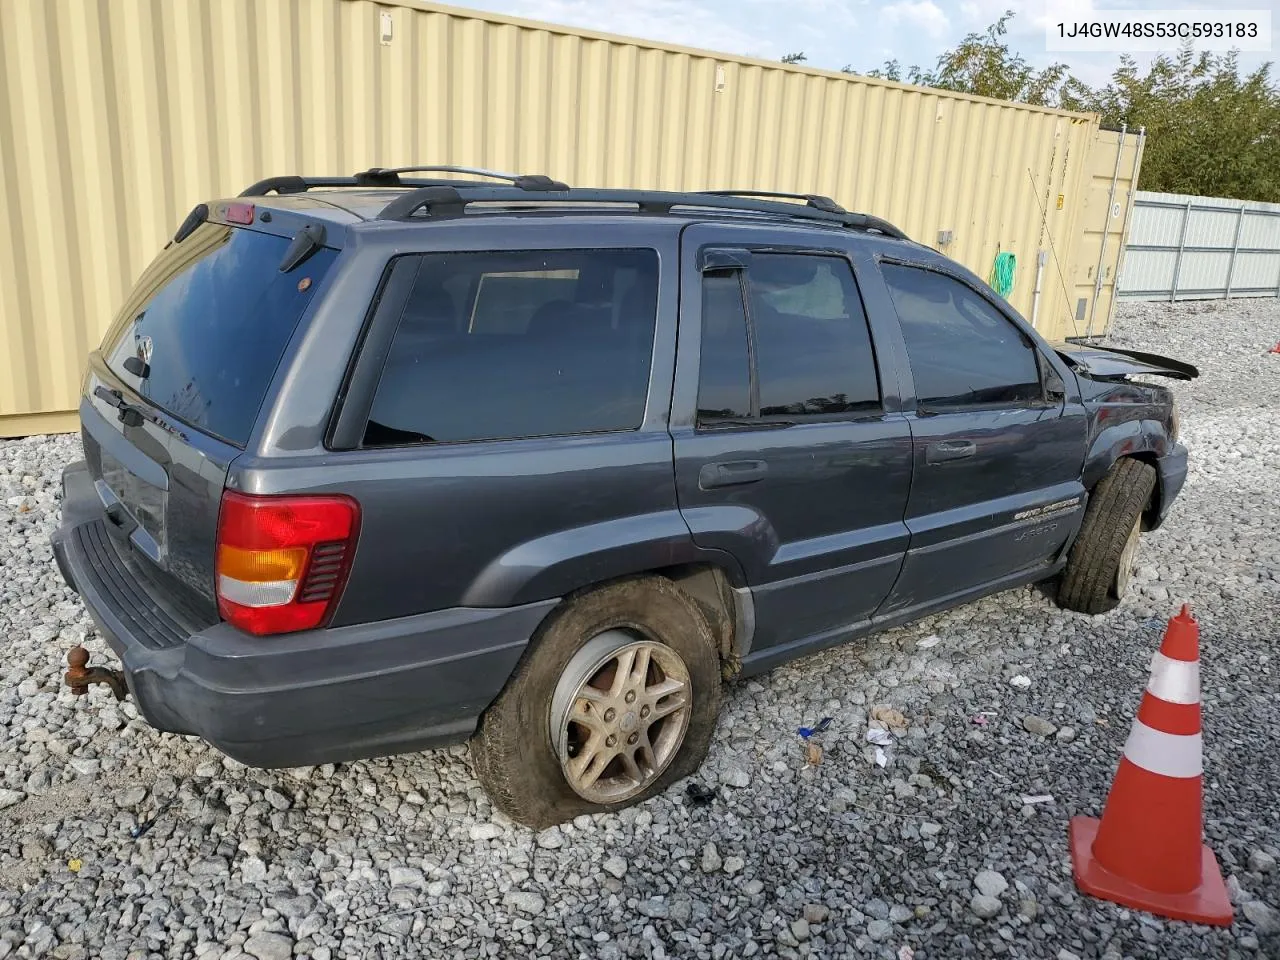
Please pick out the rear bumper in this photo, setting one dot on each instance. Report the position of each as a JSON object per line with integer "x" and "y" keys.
{"x": 1171, "y": 470}
{"x": 319, "y": 696}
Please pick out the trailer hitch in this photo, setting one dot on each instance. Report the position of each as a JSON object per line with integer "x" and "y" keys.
{"x": 80, "y": 675}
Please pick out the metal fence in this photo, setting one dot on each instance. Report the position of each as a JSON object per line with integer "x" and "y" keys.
{"x": 1200, "y": 248}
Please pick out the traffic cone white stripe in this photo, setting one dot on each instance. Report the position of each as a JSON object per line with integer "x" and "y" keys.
{"x": 1168, "y": 754}
{"x": 1174, "y": 681}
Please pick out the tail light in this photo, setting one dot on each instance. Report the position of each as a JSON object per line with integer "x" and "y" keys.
{"x": 282, "y": 561}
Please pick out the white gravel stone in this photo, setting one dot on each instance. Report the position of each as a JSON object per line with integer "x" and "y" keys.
{"x": 485, "y": 831}
{"x": 10, "y": 798}
{"x": 990, "y": 883}
{"x": 879, "y": 930}
{"x": 1263, "y": 917}
{"x": 1038, "y": 725}
{"x": 615, "y": 866}
{"x": 269, "y": 946}
{"x": 735, "y": 777}
{"x": 711, "y": 861}
{"x": 816, "y": 912}
{"x": 984, "y": 906}
{"x": 1261, "y": 862}
{"x": 526, "y": 902}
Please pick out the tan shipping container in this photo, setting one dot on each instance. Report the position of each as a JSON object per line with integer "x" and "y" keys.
{"x": 116, "y": 118}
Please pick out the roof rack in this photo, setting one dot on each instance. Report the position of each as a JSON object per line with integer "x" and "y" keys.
{"x": 525, "y": 181}
{"x": 390, "y": 177}
{"x": 815, "y": 200}
{"x": 443, "y": 200}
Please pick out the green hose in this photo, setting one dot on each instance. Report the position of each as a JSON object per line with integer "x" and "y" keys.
{"x": 1001, "y": 278}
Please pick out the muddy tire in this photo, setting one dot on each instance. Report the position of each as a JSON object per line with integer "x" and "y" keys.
{"x": 1098, "y": 570}
{"x": 610, "y": 652}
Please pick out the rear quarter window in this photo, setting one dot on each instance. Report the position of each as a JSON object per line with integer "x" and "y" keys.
{"x": 499, "y": 346}
{"x": 212, "y": 318}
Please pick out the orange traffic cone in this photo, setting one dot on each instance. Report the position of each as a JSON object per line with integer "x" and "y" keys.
{"x": 1146, "y": 851}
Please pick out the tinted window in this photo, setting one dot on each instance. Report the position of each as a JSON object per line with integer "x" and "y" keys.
{"x": 724, "y": 377}
{"x": 497, "y": 346}
{"x": 962, "y": 349}
{"x": 813, "y": 349}
{"x": 217, "y": 314}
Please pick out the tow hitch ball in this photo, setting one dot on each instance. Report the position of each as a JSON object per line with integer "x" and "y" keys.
{"x": 80, "y": 675}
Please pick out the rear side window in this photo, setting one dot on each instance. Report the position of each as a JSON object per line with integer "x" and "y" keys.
{"x": 211, "y": 319}
{"x": 963, "y": 351}
{"x": 497, "y": 346}
{"x": 811, "y": 352}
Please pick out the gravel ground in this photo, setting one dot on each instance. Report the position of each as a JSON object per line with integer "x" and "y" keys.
{"x": 935, "y": 854}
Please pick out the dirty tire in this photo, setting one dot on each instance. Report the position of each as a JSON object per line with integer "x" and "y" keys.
{"x": 512, "y": 749}
{"x": 1089, "y": 580}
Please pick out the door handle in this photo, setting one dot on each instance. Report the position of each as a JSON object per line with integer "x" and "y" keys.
{"x": 730, "y": 472}
{"x": 945, "y": 450}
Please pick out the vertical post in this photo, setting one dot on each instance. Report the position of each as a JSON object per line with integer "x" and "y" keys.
{"x": 1182, "y": 242}
{"x": 1041, "y": 258}
{"x": 1106, "y": 224}
{"x": 1124, "y": 227}
{"x": 1235, "y": 246}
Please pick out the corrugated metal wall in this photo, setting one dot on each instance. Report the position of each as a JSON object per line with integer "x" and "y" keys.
{"x": 1196, "y": 248}
{"x": 116, "y": 118}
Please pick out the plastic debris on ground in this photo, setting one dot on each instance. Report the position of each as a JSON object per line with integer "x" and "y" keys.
{"x": 146, "y": 825}
{"x": 930, "y": 641}
{"x": 906, "y": 953}
{"x": 699, "y": 795}
{"x": 807, "y": 732}
{"x": 1021, "y": 681}
{"x": 882, "y": 740}
{"x": 74, "y": 865}
{"x": 812, "y": 749}
{"x": 1037, "y": 798}
{"x": 891, "y": 718}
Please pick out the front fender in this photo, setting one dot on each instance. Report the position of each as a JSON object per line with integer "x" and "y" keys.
{"x": 568, "y": 560}
{"x": 1127, "y": 438}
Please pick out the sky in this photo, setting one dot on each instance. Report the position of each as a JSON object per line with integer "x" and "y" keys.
{"x": 860, "y": 33}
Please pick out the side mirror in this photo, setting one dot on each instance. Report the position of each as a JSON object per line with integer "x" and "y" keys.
{"x": 1054, "y": 388}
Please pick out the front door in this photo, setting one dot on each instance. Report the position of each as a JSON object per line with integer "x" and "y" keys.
{"x": 998, "y": 453}
{"x": 786, "y": 455}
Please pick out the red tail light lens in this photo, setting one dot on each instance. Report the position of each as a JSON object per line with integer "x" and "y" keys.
{"x": 282, "y": 561}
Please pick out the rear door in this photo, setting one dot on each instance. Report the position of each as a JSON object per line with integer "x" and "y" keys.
{"x": 790, "y": 452}
{"x": 998, "y": 451}
{"x": 173, "y": 394}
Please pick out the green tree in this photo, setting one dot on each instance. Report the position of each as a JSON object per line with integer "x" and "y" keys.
{"x": 797, "y": 57}
{"x": 1210, "y": 130}
{"x": 983, "y": 64}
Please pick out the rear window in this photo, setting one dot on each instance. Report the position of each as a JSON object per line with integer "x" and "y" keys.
{"x": 211, "y": 318}
{"x": 498, "y": 346}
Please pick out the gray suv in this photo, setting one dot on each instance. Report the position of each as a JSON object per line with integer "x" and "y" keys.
{"x": 376, "y": 464}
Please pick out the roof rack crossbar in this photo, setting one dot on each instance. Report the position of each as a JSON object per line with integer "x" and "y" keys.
{"x": 294, "y": 184}
{"x": 815, "y": 200}
{"x": 390, "y": 176}
{"x": 447, "y": 201}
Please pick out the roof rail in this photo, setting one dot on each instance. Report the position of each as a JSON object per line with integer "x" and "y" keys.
{"x": 390, "y": 176}
{"x": 815, "y": 200}
{"x": 450, "y": 200}
{"x": 294, "y": 185}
